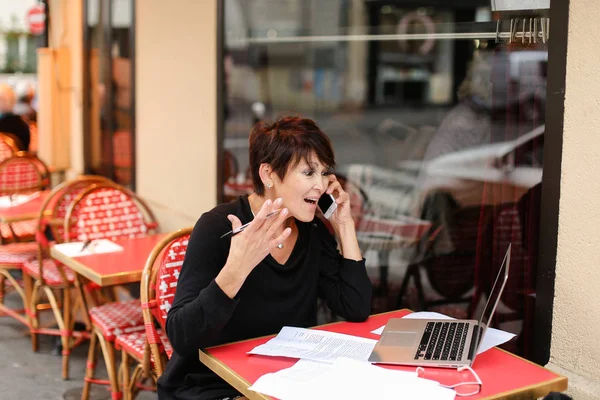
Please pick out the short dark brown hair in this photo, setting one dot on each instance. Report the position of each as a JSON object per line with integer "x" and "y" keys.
{"x": 284, "y": 143}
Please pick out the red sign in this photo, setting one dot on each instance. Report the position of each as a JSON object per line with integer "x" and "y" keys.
{"x": 36, "y": 20}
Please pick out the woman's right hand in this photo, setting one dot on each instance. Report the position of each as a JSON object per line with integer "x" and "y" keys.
{"x": 251, "y": 246}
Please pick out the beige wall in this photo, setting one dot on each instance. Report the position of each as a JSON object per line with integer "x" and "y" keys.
{"x": 60, "y": 75}
{"x": 176, "y": 108}
{"x": 575, "y": 347}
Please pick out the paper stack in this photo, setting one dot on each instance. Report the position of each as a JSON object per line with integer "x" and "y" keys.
{"x": 347, "y": 379}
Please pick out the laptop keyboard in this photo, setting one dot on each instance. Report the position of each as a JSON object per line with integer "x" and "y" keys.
{"x": 443, "y": 341}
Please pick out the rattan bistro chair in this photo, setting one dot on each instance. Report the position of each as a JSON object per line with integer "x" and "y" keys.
{"x": 45, "y": 276}
{"x": 109, "y": 211}
{"x": 9, "y": 145}
{"x": 15, "y": 255}
{"x": 21, "y": 174}
{"x": 151, "y": 348}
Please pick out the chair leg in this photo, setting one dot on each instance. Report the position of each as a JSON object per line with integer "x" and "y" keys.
{"x": 63, "y": 329}
{"x": 66, "y": 333}
{"x": 32, "y": 314}
{"x": 136, "y": 376}
{"x": 109, "y": 359}
{"x": 2, "y": 291}
{"x": 124, "y": 373}
{"x": 90, "y": 368}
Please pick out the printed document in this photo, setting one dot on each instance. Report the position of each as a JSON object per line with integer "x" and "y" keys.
{"x": 97, "y": 246}
{"x": 316, "y": 345}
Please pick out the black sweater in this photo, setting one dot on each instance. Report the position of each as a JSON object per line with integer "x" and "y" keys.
{"x": 272, "y": 296}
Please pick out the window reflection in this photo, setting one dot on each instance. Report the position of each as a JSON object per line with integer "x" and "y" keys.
{"x": 109, "y": 24}
{"x": 439, "y": 141}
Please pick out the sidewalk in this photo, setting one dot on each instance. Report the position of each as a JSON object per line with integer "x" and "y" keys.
{"x": 26, "y": 375}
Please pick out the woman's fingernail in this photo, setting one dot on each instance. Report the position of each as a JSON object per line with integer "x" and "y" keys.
{"x": 284, "y": 211}
{"x": 278, "y": 201}
{"x": 268, "y": 202}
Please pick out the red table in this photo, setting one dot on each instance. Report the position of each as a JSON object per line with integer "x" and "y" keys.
{"x": 24, "y": 211}
{"x": 504, "y": 375}
{"x": 115, "y": 268}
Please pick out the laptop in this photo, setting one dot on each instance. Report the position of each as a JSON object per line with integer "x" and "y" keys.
{"x": 438, "y": 342}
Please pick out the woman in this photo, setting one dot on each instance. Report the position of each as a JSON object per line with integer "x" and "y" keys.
{"x": 271, "y": 274}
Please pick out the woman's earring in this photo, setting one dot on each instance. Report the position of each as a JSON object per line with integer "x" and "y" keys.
{"x": 269, "y": 185}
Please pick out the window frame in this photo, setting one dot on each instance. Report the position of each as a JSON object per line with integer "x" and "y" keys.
{"x": 553, "y": 138}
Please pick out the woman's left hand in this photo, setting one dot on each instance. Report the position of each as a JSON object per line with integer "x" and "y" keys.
{"x": 342, "y": 214}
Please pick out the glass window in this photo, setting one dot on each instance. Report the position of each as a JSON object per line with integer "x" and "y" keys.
{"x": 436, "y": 113}
{"x": 110, "y": 100}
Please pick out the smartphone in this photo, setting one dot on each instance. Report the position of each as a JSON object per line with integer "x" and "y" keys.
{"x": 327, "y": 205}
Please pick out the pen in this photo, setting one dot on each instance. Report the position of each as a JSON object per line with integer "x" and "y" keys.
{"x": 85, "y": 245}
{"x": 241, "y": 228}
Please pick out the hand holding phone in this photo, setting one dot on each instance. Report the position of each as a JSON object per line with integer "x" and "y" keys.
{"x": 327, "y": 205}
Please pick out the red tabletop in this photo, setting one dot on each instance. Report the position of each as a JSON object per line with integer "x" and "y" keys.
{"x": 24, "y": 211}
{"x": 503, "y": 374}
{"x": 115, "y": 268}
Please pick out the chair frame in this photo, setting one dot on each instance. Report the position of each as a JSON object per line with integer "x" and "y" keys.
{"x": 426, "y": 264}
{"x": 96, "y": 334}
{"x": 148, "y": 297}
{"x": 11, "y": 141}
{"x": 41, "y": 167}
{"x": 142, "y": 205}
{"x": 64, "y": 310}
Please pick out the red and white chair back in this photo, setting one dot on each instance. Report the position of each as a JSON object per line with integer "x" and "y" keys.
{"x": 52, "y": 211}
{"x": 22, "y": 173}
{"x": 159, "y": 282}
{"x": 108, "y": 211}
{"x": 61, "y": 198}
{"x": 167, "y": 276}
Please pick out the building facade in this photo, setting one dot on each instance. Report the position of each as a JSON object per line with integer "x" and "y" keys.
{"x": 184, "y": 120}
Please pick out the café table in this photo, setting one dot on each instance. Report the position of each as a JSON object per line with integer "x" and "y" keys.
{"x": 109, "y": 268}
{"x": 112, "y": 268}
{"x": 504, "y": 375}
{"x": 23, "y": 211}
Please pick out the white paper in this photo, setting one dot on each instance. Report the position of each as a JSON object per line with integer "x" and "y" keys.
{"x": 11, "y": 201}
{"x": 491, "y": 338}
{"x": 282, "y": 383}
{"x": 348, "y": 379}
{"x": 97, "y": 246}
{"x": 316, "y": 345}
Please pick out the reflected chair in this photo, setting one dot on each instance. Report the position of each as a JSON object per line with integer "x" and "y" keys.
{"x": 518, "y": 297}
{"x": 109, "y": 211}
{"x": 22, "y": 173}
{"x": 450, "y": 260}
{"x": 151, "y": 349}
{"x": 122, "y": 161}
{"x": 231, "y": 166}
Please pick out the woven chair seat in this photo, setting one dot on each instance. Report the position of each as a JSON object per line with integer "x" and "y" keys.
{"x": 51, "y": 272}
{"x": 21, "y": 229}
{"x": 135, "y": 342}
{"x": 118, "y": 318}
{"x": 18, "y": 253}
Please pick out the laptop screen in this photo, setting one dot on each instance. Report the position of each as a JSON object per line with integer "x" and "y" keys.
{"x": 495, "y": 293}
